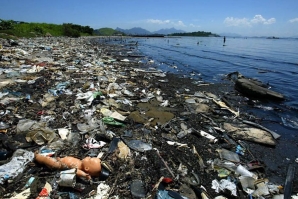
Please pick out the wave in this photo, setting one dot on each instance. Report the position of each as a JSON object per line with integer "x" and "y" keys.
{"x": 291, "y": 122}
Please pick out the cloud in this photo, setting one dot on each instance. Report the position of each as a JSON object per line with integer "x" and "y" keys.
{"x": 194, "y": 26}
{"x": 270, "y": 21}
{"x": 231, "y": 21}
{"x": 157, "y": 21}
{"x": 179, "y": 23}
{"x": 257, "y": 19}
{"x": 293, "y": 20}
{"x": 162, "y": 22}
{"x": 171, "y": 23}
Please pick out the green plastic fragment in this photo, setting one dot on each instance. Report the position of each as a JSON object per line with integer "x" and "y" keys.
{"x": 222, "y": 172}
{"x": 111, "y": 121}
{"x": 98, "y": 93}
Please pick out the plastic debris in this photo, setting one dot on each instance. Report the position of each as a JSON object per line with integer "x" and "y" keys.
{"x": 137, "y": 189}
{"x": 3, "y": 125}
{"x": 29, "y": 182}
{"x": 228, "y": 155}
{"x": 240, "y": 150}
{"x": 91, "y": 143}
{"x": 45, "y": 192}
{"x": 138, "y": 145}
{"x": 124, "y": 150}
{"x": 36, "y": 131}
{"x": 102, "y": 191}
{"x": 241, "y": 170}
{"x": 248, "y": 184}
{"x": 168, "y": 194}
{"x": 177, "y": 144}
{"x": 112, "y": 121}
{"x": 113, "y": 114}
{"x": 222, "y": 172}
{"x": 208, "y": 136}
{"x": 23, "y": 195}
{"x": 63, "y": 133}
{"x": 16, "y": 165}
{"x": 261, "y": 188}
{"x": 185, "y": 131}
{"x": 224, "y": 184}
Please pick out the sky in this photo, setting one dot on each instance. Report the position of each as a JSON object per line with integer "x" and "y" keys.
{"x": 245, "y": 17}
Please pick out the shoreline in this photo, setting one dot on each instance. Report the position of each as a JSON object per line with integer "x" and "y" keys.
{"x": 98, "y": 65}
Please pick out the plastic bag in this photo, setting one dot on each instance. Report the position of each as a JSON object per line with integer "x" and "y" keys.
{"x": 16, "y": 166}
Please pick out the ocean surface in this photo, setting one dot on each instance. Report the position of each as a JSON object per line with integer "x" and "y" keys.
{"x": 272, "y": 61}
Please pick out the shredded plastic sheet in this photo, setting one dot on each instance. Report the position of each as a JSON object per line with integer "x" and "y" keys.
{"x": 224, "y": 184}
{"x": 16, "y": 166}
{"x": 138, "y": 145}
{"x": 295, "y": 196}
{"x": 23, "y": 195}
{"x": 163, "y": 194}
{"x": 228, "y": 155}
{"x": 91, "y": 143}
{"x": 102, "y": 191}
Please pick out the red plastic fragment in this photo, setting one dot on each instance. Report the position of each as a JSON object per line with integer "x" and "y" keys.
{"x": 41, "y": 64}
{"x": 167, "y": 180}
{"x": 40, "y": 112}
{"x": 44, "y": 192}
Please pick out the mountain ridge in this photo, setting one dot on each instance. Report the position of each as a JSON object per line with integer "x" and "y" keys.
{"x": 142, "y": 31}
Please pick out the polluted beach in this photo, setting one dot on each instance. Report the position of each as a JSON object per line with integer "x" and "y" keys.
{"x": 80, "y": 121}
{"x": 148, "y": 99}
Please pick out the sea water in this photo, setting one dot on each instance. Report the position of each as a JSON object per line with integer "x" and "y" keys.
{"x": 272, "y": 61}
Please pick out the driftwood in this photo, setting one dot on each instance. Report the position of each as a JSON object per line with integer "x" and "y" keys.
{"x": 274, "y": 135}
{"x": 252, "y": 88}
{"x": 243, "y": 132}
{"x": 224, "y": 106}
{"x": 289, "y": 182}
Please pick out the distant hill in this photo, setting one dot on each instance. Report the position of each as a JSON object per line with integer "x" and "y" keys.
{"x": 230, "y": 35}
{"x": 107, "y": 32}
{"x": 168, "y": 31}
{"x": 142, "y": 31}
{"x": 134, "y": 31}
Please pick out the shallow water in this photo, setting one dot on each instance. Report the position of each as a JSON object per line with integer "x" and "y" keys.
{"x": 272, "y": 61}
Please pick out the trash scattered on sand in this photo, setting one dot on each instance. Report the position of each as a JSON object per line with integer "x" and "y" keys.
{"x": 66, "y": 102}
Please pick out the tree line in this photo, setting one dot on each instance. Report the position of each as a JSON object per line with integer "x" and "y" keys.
{"x": 24, "y": 29}
{"x": 196, "y": 34}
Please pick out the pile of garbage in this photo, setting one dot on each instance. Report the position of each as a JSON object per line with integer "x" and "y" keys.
{"x": 85, "y": 119}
